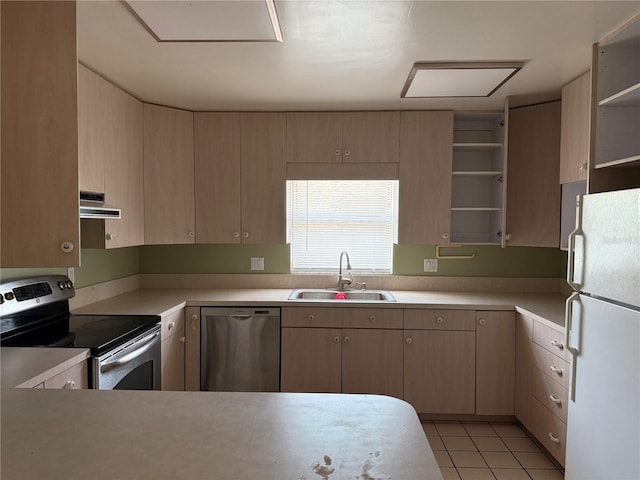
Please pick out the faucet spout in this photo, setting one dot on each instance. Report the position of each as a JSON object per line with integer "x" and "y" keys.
{"x": 342, "y": 280}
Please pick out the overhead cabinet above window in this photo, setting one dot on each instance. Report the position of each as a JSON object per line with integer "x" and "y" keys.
{"x": 343, "y": 137}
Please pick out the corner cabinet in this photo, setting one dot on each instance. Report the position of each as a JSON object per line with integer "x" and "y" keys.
{"x": 172, "y": 349}
{"x": 168, "y": 176}
{"x": 477, "y": 177}
{"x": 40, "y": 218}
{"x": 192, "y": 349}
{"x": 425, "y": 178}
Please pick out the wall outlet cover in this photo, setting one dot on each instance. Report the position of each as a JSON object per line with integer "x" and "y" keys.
{"x": 431, "y": 265}
{"x": 257, "y": 263}
{"x": 71, "y": 273}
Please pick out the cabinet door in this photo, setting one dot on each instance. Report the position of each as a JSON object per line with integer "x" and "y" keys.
{"x": 123, "y": 182}
{"x": 263, "y": 147}
{"x": 39, "y": 219}
{"x": 192, "y": 349}
{"x": 495, "y": 362}
{"x": 314, "y": 137}
{"x": 371, "y": 137}
{"x": 378, "y": 373}
{"x": 575, "y": 129}
{"x": 524, "y": 365}
{"x": 217, "y": 183}
{"x": 168, "y": 176}
{"x": 533, "y": 189}
{"x": 172, "y": 351}
{"x": 439, "y": 371}
{"x": 93, "y": 129}
{"x": 311, "y": 360}
{"x": 426, "y": 140}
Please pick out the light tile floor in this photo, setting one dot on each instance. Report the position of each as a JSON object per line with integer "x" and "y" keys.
{"x": 491, "y": 451}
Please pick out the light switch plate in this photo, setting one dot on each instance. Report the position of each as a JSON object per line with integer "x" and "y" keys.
{"x": 257, "y": 263}
{"x": 431, "y": 265}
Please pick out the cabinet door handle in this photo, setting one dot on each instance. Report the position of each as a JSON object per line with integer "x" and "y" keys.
{"x": 372, "y": 318}
{"x": 336, "y": 339}
{"x": 337, "y": 152}
{"x": 171, "y": 325}
{"x": 245, "y": 234}
{"x": 69, "y": 385}
{"x": 440, "y": 320}
{"x": 556, "y": 343}
{"x": 109, "y": 236}
{"x": 347, "y": 339}
{"x": 482, "y": 321}
{"x": 557, "y": 370}
{"x": 408, "y": 340}
{"x": 194, "y": 320}
{"x": 236, "y": 234}
{"x": 192, "y": 234}
{"x": 312, "y": 317}
{"x": 183, "y": 339}
{"x": 555, "y": 399}
{"x": 67, "y": 247}
{"x": 347, "y": 152}
{"x": 553, "y": 438}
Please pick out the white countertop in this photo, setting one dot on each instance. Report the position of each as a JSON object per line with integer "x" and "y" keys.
{"x": 547, "y": 307}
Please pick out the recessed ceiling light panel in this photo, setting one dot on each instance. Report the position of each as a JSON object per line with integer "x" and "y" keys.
{"x": 208, "y": 20}
{"x": 457, "y": 79}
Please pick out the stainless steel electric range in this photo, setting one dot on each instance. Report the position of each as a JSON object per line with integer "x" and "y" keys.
{"x": 125, "y": 349}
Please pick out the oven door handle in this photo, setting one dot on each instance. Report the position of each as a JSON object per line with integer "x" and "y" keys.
{"x": 145, "y": 343}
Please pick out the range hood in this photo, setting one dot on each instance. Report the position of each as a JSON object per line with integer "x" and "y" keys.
{"x": 92, "y": 206}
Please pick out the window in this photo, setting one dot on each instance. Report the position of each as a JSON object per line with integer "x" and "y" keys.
{"x": 326, "y": 217}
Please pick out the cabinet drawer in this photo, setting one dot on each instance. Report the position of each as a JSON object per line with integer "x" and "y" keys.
{"x": 551, "y": 394}
{"x": 550, "y": 365}
{"x": 549, "y": 430}
{"x": 550, "y": 339}
{"x": 75, "y": 377}
{"x": 172, "y": 323}
{"x": 422, "y": 319}
{"x": 341, "y": 317}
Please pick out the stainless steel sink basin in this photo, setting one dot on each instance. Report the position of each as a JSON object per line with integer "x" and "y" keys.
{"x": 335, "y": 295}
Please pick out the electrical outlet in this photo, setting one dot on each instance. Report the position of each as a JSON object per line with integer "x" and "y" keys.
{"x": 431, "y": 265}
{"x": 71, "y": 274}
{"x": 257, "y": 263}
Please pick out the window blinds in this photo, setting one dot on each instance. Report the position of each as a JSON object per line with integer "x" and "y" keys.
{"x": 326, "y": 217}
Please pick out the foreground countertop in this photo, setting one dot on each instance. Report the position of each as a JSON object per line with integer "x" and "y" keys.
{"x": 546, "y": 307}
{"x": 68, "y": 434}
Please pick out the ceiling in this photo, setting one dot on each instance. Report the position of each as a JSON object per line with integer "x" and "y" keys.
{"x": 351, "y": 55}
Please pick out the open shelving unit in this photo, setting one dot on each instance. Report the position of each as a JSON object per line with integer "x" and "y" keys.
{"x": 477, "y": 177}
{"x": 618, "y": 99}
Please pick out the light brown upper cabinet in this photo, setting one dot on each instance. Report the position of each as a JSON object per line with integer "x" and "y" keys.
{"x": 110, "y": 159}
{"x": 168, "y": 176}
{"x": 425, "y": 177}
{"x": 343, "y": 137}
{"x": 574, "y": 138}
{"x": 217, "y": 183}
{"x": 40, "y": 200}
{"x": 533, "y": 189}
{"x": 263, "y": 194}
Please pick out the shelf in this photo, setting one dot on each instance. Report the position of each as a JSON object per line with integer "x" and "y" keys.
{"x": 629, "y": 97}
{"x": 477, "y": 146}
{"x": 632, "y": 161}
{"x": 481, "y": 173}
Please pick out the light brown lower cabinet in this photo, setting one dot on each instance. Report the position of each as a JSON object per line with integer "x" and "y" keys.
{"x": 337, "y": 360}
{"x": 439, "y": 371}
{"x": 172, "y": 351}
{"x": 75, "y": 377}
{"x": 192, "y": 349}
{"x": 495, "y": 362}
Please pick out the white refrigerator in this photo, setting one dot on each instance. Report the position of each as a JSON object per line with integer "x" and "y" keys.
{"x": 603, "y": 335}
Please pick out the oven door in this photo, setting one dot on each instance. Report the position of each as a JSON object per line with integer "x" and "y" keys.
{"x": 132, "y": 366}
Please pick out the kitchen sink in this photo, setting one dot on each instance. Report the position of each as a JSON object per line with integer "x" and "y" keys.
{"x": 337, "y": 296}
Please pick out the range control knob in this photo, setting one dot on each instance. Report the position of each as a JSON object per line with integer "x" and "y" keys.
{"x": 9, "y": 296}
{"x": 1, "y": 299}
{"x": 68, "y": 284}
{"x": 62, "y": 285}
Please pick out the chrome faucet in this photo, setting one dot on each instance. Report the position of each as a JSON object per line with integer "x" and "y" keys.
{"x": 343, "y": 281}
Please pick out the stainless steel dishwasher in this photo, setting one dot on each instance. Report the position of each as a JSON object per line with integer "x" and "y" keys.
{"x": 240, "y": 349}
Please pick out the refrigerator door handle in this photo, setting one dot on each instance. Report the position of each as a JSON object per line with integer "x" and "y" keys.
{"x": 572, "y": 339}
{"x": 572, "y": 247}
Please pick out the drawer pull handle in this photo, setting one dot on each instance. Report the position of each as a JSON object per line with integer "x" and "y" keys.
{"x": 553, "y": 438}
{"x": 439, "y": 319}
{"x": 171, "y": 325}
{"x": 556, "y": 343}
{"x": 372, "y": 318}
{"x": 557, "y": 370}
{"x": 312, "y": 317}
{"x": 555, "y": 399}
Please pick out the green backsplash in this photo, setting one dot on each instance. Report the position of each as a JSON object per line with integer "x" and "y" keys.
{"x": 212, "y": 258}
{"x": 490, "y": 261}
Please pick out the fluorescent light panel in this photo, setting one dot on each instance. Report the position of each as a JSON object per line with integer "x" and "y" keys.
{"x": 457, "y": 79}
{"x": 207, "y": 20}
